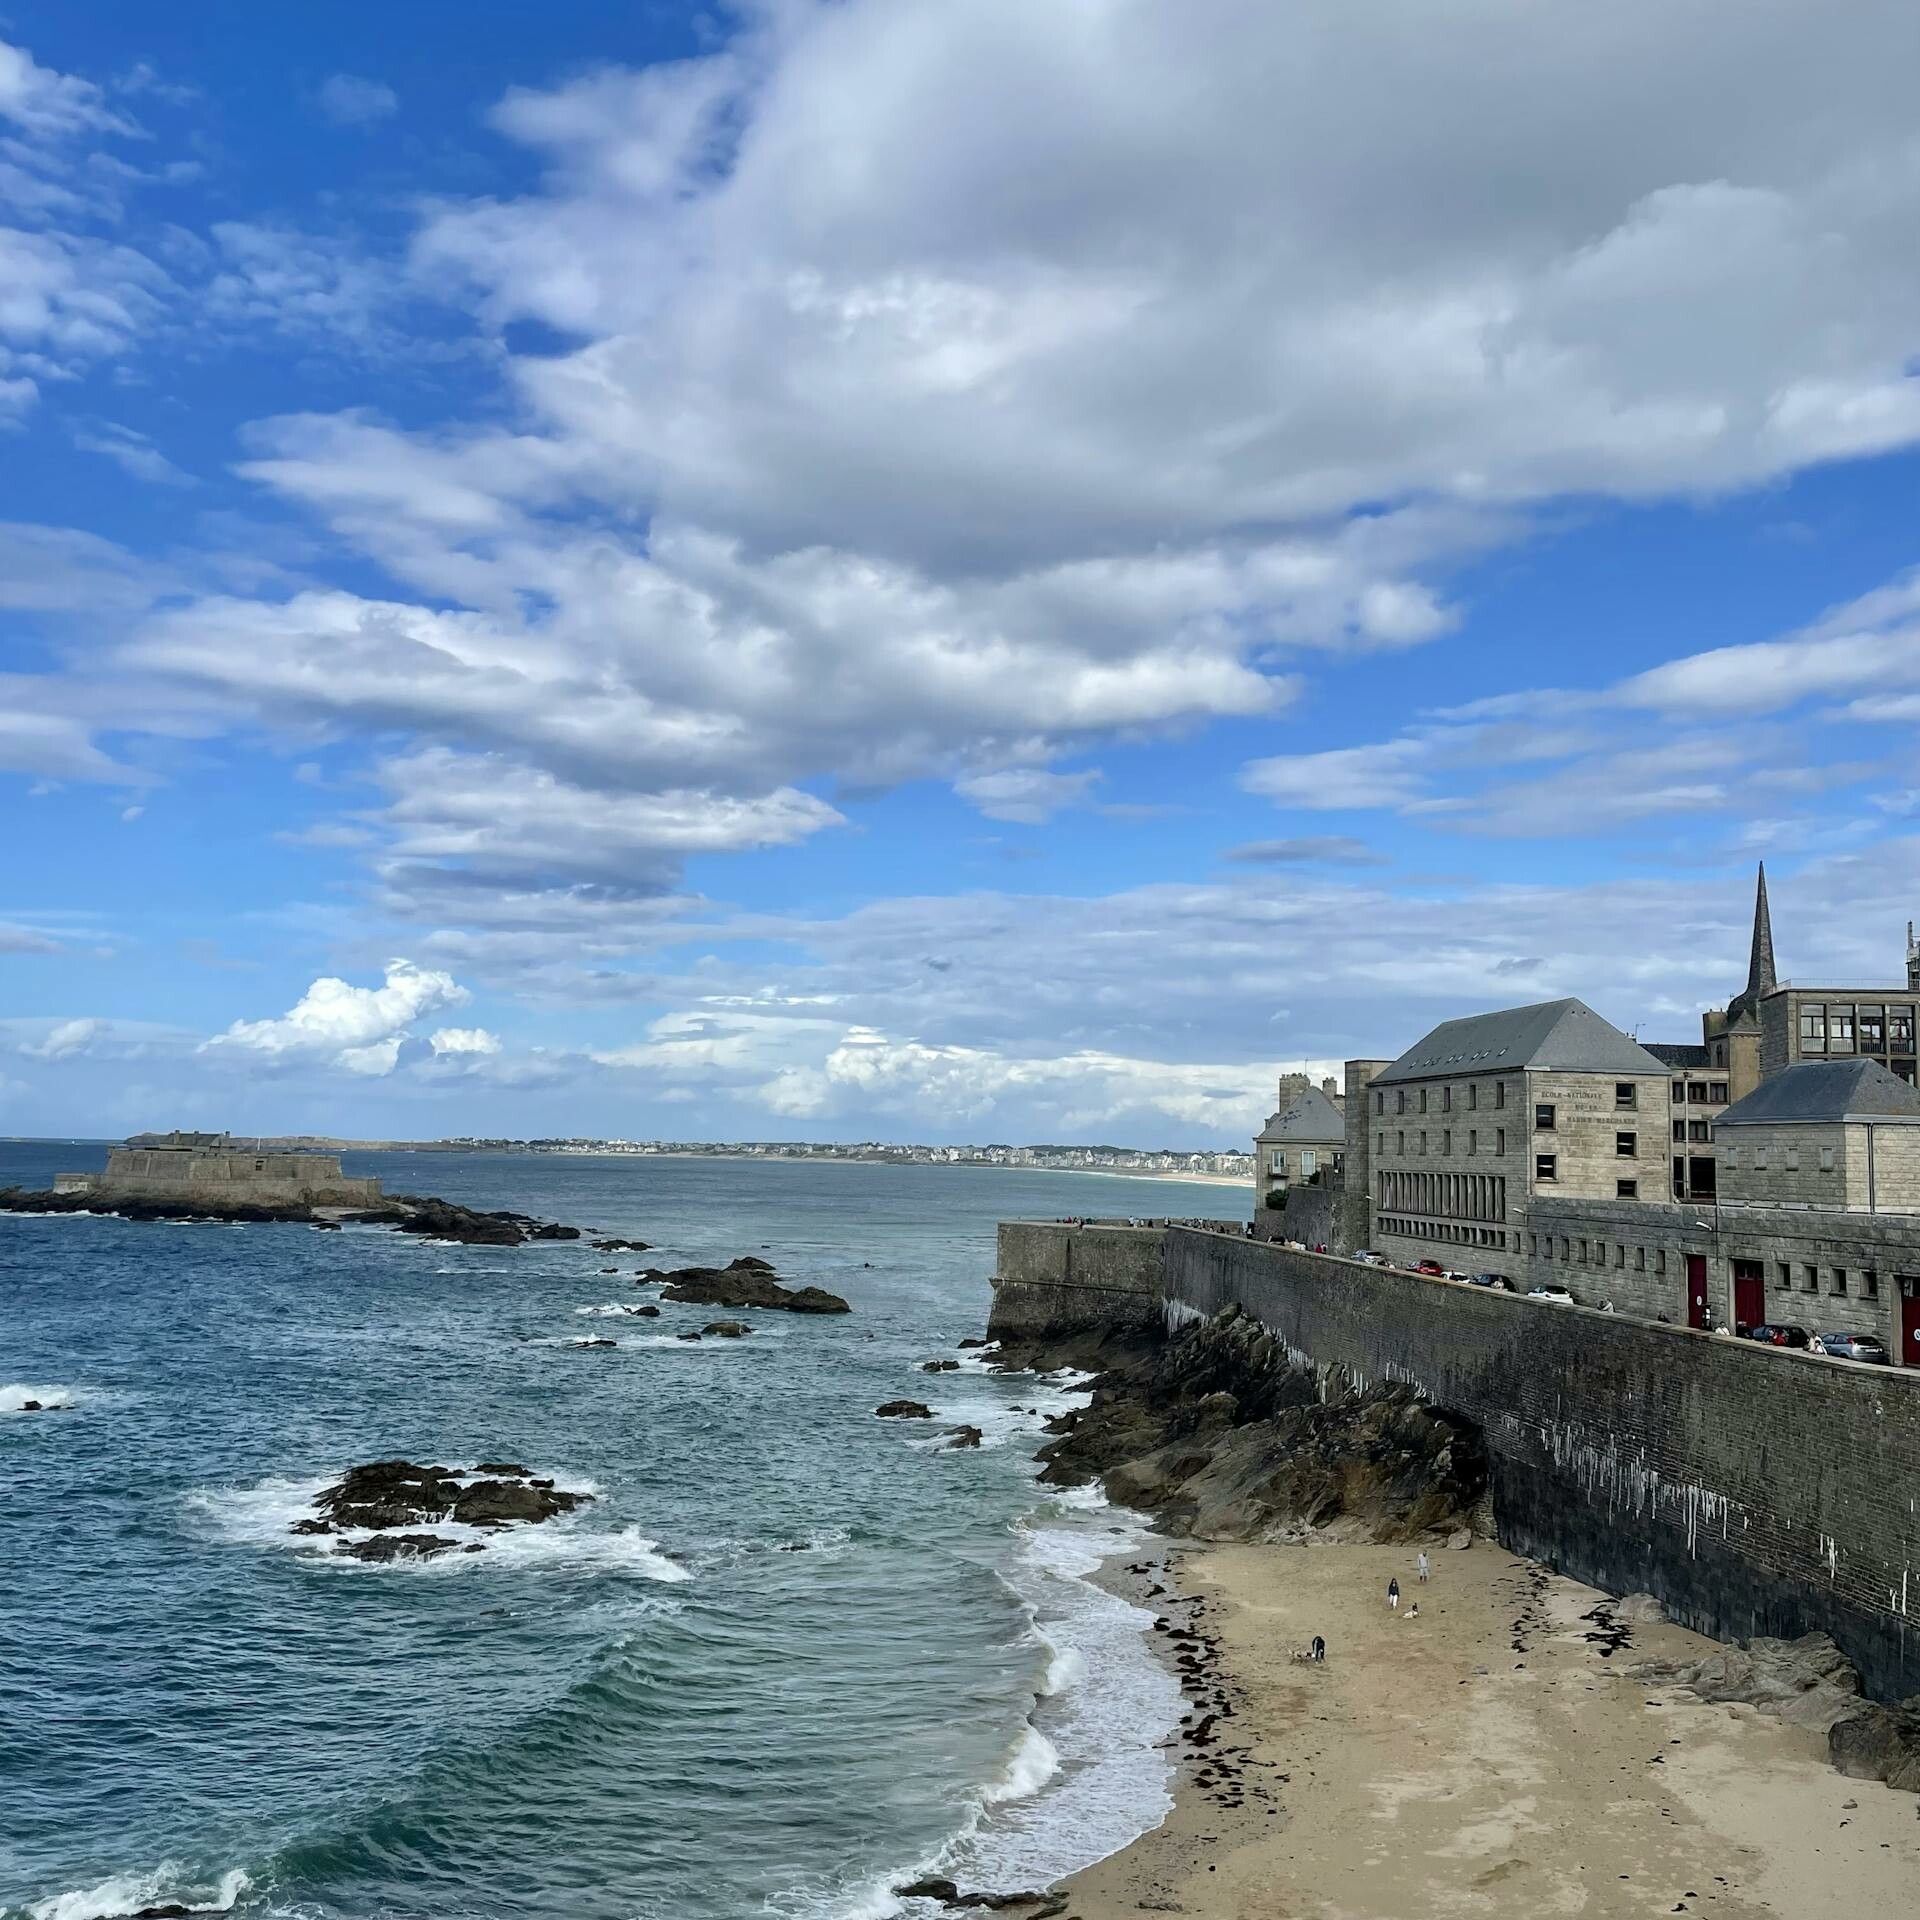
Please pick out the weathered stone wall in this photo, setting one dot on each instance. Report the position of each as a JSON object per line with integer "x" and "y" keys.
{"x": 227, "y": 1178}
{"x": 1057, "y": 1282}
{"x": 1754, "y": 1491}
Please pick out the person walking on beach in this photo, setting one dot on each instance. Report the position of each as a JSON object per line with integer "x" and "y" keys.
{"x": 1319, "y": 1648}
{"x": 1426, "y": 1567}
{"x": 1393, "y": 1593}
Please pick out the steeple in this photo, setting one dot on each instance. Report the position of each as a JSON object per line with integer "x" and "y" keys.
{"x": 1760, "y": 974}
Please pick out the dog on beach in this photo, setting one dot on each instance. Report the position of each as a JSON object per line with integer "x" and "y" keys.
{"x": 1306, "y": 1656}
{"x": 1413, "y": 1612}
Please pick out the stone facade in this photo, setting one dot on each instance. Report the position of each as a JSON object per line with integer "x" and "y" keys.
{"x": 223, "y": 1174}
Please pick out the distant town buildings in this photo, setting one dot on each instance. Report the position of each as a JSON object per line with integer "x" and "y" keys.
{"x": 1769, "y": 1173}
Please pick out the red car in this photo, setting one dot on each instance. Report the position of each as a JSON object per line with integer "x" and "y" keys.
{"x": 1433, "y": 1267}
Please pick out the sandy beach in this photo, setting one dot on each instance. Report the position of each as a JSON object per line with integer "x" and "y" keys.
{"x": 1489, "y": 1757}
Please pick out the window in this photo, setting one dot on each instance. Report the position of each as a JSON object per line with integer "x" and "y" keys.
{"x": 1810, "y": 1279}
{"x": 1446, "y": 1099}
{"x": 1873, "y": 1029}
{"x": 1423, "y": 1139}
{"x": 1730, "y": 1156}
{"x": 1639, "y": 1259}
{"x": 1423, "y": 1099}
{"x": 1566, "y": 1251}
{"x": 1403, "y": 1140}
{"x": 1619, "y": 1256}
{"x": 1309, "y": 1160}
{"x": 1679, "y": 1133}
{"x": 1839, "y": 1029}
{"x": 1870, "y": 1285}
{"x": 1626, "y": 1146}
{"x": 1625, "y": 1093}
{"x": 1379, "y": 1102}
{"x": 1473, "y": 1096}
{"x": 1813, "y": 1029}
{"x": 1679, "y": 1093}
{"x": 1784, "y": 1283}
{"x": 1473, "y": 1140}
{"x": 1699, "y": 1129}
{"x": 1500, "y": 1137}
{"x": 1900, "y": 1029}
{"x": 1277, "y": 1161}
{"x": 1759, "y": 1159}
{"x": 1446, "y": 1139}
{"x": 1717, "y": 1094}
{"x": 1659, "y": 1259}
{"x": 1793, "y": 1159}
{"x": 1839, "y": 1280}
{"x": 1499, "y": 1093}
{"x": 1543, "y": 1115}
{"x": 1626, "y": 1189}
{"x": 1826, "y": 1159}
{"x": 1401, "y": 1096}
{"x": 1546, "y": 1166}
{"x": 1697, "y": 1092}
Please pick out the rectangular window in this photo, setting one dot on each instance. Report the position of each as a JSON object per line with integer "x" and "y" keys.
{"x": 1810, "y": 1279}
{"x": 1839, "y": 1029}
{"x": 1717, "y": 1094}
{"x": 1759, "y": 1159}
{"x": 1543, "y": 1116}
{"x": 1873, "y": 1029}
{"x": 1625, "y": 1093}
{"x": 1423, "y": 1099}
{"x": 1626, "y": 1146}
{"x": 1423, "y": 1139}
{"x": 1500, "y": 1138}
{"x": 1679, "y": 1093}
{"x": 1659, "y": 1259}
{"x": 1379, "y": 1102}
{"x": 1899, "y": 1029}
{"x": 1813, "y": 1029}
{"x": 1626, "y": 1189}
{"x": 1473, "y": 1140}
{"x": 1699, "y": 1130}
{"x": 1277, "y": 1162}
{"x": 1619, "y": 1256}
{"x": 1696, "y": 1092}
{"x": 1446, "y": 1099}
{"x": 1793, "y": 1159}
{"x": 1401, "y": 1096}
{"x": 1639, "y": 1259}
{"x": 1446, "y": 1140}
{"x": 1403, "y": 1139}
{"x": 1826, "y": 1159}
{"x": 1499, "y": 1093}
{"x": 1839, "y": 1280}
{"x": 1680, "y": 1133}
{"x": 1870, "y": 1285}
{"x": 1546, "y": 1166}
{"x": 1783, "y": 1280}
{"x": 1473, "y": 1096}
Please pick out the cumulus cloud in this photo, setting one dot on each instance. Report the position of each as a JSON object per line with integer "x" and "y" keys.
{"x": 69, "y": 1037}
{"x": 464, "y": 1040}
{"x": 358, "y": 1028}
{"x": 1028, "y": 795}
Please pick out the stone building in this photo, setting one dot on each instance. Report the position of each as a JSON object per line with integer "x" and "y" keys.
{"x": 1474, "y": 1121}
{"x": 1299, "y": 1162}
{"x": 216, "y": 1169}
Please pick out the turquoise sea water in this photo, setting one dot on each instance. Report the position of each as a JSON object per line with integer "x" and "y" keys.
{"x": 788, "y": 1655}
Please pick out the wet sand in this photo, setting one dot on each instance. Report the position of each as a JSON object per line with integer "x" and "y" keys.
{"x": 1490, "y": 1757}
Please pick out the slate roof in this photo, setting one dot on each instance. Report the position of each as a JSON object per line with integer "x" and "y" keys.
{"x": 1308, "y": 1117}
{"x": 1824, "y": 1090}
{"x": 1564, "y": 1036}
{"x": 1679, "y": 1053}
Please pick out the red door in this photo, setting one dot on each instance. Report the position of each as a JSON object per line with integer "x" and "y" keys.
{"x": 1749, "y": 1293}
{"x": 1909, "y": 1354}
{"x": 1696, "y": 1290}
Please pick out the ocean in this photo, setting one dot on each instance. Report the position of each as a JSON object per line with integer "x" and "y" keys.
{"x": 787, "y": 1657}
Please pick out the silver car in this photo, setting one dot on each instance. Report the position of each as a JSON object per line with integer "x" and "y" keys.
{"x": 1853, "y": 1346}
{"x": 1368, "y": 1258}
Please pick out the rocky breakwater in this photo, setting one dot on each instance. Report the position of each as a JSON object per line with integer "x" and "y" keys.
{"x": 1220, "y": 1435}
{"x": 746, "y": 1282}
{"x": 376, "y": 1511}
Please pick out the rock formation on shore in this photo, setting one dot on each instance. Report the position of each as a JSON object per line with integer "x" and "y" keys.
{"x": 389, "y": 1498}
{"x": 746, "y": 1282}
{"x": 1221, "y": 1436}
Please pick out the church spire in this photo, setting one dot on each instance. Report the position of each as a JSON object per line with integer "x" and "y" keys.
{"x": 1760, "y": 979}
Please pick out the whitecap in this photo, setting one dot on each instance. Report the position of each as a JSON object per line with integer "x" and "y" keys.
{"x": 1033, "y": 1762}
{"x": 16, "y": 1393}
{"x": 128, "y": 1892}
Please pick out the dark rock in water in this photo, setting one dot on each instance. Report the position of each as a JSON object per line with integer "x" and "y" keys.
{"x": 549, "y": 1230}
{"x": 686, "y": 1336}
{"x": 1218, "y": 1433}
{"x": 971, "y": 1342}
{"x": 1880, "y": 1743}
{"x": 622, "y": 1246}
{"x": 1061, "y": 1422}
{"x": 129, "y": 1207}
{"x": 744, "y": 1286}
{"x": 594, "y": 1340}
{"x": 500, "y": 1466}
{"x": 609, "y": 1269}
{"x": 1029, "y": 1906}
{"x": 727, "y": 1329}
{"x": 939, "y": 1366}
{"x": 904, "y": 1410}
{"x": 388, "y": 1494}
{"x": 750, "y": 1263}
{"x": 311, "y": 1526}
{"x": 958, "y": 1437}
{"x": 385, "y": 1547}
{"x": 326, "y": 1226}
{"x": 647, "y": 1312}
{"x": 31, "y": 1406}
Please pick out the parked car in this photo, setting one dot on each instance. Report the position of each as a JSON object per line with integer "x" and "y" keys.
{"x": 1432, "y": 1268}
{"x": 1368, "y": 1258}
{"x": 1559, "y": 1296}
{"x": 1855, "y": 1346}
{"x": 1499, "y": 1280}
{"x": 1783, "y": 1333}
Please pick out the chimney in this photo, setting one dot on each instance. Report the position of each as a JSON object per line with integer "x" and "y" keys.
{"x": 1913, "y": 961}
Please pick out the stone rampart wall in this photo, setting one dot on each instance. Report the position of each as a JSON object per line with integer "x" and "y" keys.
{"x": 1752, "y": 1490}
{"x": 1058, "y": 1281}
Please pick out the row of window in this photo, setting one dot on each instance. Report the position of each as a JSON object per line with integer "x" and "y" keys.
{"x": 1455, "y": 1236}
{"x": 1839, "y": 1285}
{"x": 1593, "y": 1253}
{"x": 1498, "y": 1141}
{"x": 1685, "y": 1130}
{"x": 1789, "y": 1158}
{"x": 1701, "y": 1093}
{"x": 1442, "y": 1098}
{"x": 1847, "y": 1028}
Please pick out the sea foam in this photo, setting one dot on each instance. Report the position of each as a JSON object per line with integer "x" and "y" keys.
{"x": 129, "y": 1892}
{"x": 16, "y": 1393}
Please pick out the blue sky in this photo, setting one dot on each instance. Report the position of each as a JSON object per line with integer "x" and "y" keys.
{"x": 932, "y": 571}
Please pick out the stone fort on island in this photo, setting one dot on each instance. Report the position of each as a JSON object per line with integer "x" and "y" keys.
{"x": 220, "y": 1172}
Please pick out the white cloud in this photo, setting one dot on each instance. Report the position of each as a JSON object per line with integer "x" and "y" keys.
{"x": 1028, "y": 795}
{"x": 358, "y": 1028}
{"x": 66, "y": 1039}
{"x": 464, "y": 1040}
{"x": 51, "y": 105}
{"x": 350, "y": 101}
{"x": 133, "y": 453}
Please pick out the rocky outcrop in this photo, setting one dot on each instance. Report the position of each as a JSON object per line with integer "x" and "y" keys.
{"x": 939, "y": 1366}
{"x": 448, "y": 1220}
{"x": 727, "y": 1329}
{"x": 746, "y": 1282}
{"x": 903, "y": 1410}
{"x": 959, "y": 1438}
{"x": 621, "y": 1246}
{"x": 390, "y": 1499}
{"x": 1879, "y": 1743}
{"x": 1223, "y": 1437}
{"x": 1808, "y": 1682}
{"x": 1027, "y": 1906}
{"x": 132, "y": 1207}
